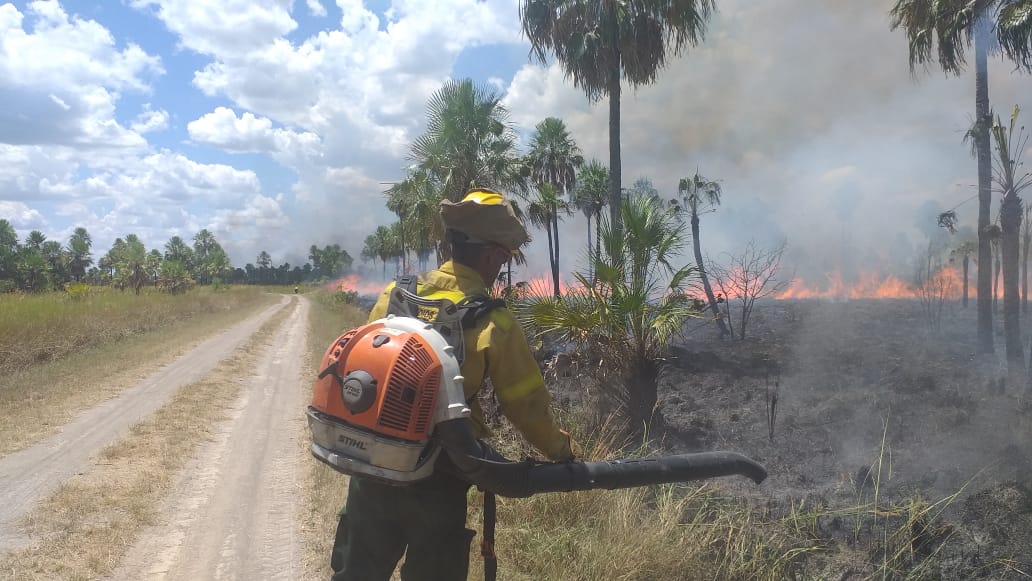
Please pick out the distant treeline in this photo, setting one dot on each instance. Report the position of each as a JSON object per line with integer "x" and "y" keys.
{"x": 37, "y": 264}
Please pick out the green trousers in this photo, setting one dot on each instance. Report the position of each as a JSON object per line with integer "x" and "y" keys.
{"x": 425, "y": 521}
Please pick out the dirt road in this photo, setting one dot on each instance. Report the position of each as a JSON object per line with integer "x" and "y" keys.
{"x": 233, "y": 511}
{"x": 233, "y": 514}
{"x": 31, "y": 474}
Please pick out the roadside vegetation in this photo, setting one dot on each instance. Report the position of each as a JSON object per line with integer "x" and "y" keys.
{"x": 325, "y": 490}
{"x": 81, "y": 531}
{"x": 73, "y": 353}
{"x": 40, "y": 328}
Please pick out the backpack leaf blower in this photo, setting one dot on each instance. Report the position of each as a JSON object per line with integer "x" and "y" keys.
{"x": 389, "y": 401}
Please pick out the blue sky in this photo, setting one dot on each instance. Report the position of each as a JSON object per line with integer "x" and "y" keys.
{"x": 274, "y": 123}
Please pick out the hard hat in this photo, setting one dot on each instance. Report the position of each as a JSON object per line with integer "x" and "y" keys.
{"x": 485, "y": 215}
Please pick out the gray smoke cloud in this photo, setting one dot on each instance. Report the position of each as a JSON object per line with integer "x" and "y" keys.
{"x": 809, "y": 115}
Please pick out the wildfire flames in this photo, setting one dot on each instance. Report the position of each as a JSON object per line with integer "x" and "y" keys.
{"x": 946, "y": 283}
{"x": 354, "y": 283}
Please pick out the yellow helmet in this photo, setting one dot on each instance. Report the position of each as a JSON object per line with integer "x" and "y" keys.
{"x": 486, "y": 216}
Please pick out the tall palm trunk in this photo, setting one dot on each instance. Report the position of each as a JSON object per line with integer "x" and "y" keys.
{"x": 697, "y": 248}
{"x": 551, "y": 257}
{"x": 615, "y": 194}
{"x": 1027, "y": 243}
{"x": 598, "y": 236}
{"x": 1010, "y": 223}
{"x": 997, "y": 267}
{"x": 643, "y": 395}
{"x": 982, "y": 124}
{"x": 555, "y": 262}
{"x": 591, "y": 254}
{"x": 964, "y": 300}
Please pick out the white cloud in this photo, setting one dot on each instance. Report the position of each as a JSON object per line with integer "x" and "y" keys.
{"x": 249, "y": 133}
{"x": 225, "y": 27}
{"x": 316, "y": 8}
{"x": 61, "y": 77}
{"x": 150, "y": 120}
{"x": 22, "y": 217}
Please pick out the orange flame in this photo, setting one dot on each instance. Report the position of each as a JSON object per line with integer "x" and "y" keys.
{"x": 354, "y": 283}
{"x": 946, "y": 283}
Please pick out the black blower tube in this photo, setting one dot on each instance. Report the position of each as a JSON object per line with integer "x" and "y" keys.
{"x": 481, "y": 465}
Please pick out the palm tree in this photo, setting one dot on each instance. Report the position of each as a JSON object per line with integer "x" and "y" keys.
{"x": 941, "y": 31}
{"x": 965, "y": 250}
{"x": 1010, "y": 182}
{"x": 79, "y": 259}
{"x": 370, "y": 251}
{"x": 130, "y": 263}
{"x": 468, "y": 142}
{"x": 698, "y": 195}
{"x": 35, "y": 240}
{"x": 204, "y": 244}
{"x": 381, "y": 244}
{"x": 176, "y": 249}
{"x": 400, "y": 199}
{"x": 590, "y": 197}
{"x": 8, "y": 255}
{"x": 263, "y": 262}
{"x": 637, "y": 303}
{"x": 1026, "y": 246}
{"x": 54, "y": 255}
{"x": 543, "y": 212}
{"x": 600, "y": 42}
{"x": 553, "y": 161}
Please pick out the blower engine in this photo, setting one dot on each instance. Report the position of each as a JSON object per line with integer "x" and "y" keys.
{"x": 389, "y": 400}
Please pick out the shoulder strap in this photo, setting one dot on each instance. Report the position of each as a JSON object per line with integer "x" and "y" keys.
{"x": 398, "y": 305}
{"x": 476, "y": 307}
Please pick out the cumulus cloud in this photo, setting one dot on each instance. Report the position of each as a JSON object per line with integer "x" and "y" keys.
{"x": 22, "y": 217}
{"x": 228, "y": 26}
{"x": 61, "y": 76}
{"x": 150, "y": 120}
{"x": 222, "y": 128}
{"x": 316, "y": 8}
{"x": 806, "y": 112}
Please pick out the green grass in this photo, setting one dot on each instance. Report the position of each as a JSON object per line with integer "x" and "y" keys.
{"x": 37, "y": 329}
{"x": 83, "y": 353}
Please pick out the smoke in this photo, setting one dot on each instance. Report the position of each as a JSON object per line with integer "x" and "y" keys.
{"x": 809, "y": 115}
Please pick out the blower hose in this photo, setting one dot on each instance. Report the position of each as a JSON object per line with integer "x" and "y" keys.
{"x": 481, "y": 465}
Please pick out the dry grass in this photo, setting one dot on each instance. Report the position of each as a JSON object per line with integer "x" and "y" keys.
{"x": 691, "y": 532}
{"x": 82, "y": 530}
{"x": 673, "y": 532}
{"x": 325, "y": 489}
{"x": 35, "y": 401}
{"x": 37, "y": 329}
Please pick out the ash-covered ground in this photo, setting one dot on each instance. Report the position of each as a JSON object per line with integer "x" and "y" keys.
{"x": 875, "y": 407}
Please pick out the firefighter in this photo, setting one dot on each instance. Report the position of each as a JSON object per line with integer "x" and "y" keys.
{"x": 426, "y": 521}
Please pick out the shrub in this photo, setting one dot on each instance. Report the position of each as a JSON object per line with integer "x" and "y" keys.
{"x": 77, "y": 291}
{"x": 345, "y": 297}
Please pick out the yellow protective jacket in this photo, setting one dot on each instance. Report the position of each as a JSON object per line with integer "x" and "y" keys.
{"x": 496, "y": 349}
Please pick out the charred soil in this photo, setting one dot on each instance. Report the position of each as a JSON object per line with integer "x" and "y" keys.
{"x": 883, "y": 423}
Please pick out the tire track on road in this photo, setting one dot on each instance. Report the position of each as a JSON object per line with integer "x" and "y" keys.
{"x": 234, "y": 514}
{"x": 29, "y": 475}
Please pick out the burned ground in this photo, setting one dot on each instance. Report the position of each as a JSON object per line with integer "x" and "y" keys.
{"x": 875, "y": 408}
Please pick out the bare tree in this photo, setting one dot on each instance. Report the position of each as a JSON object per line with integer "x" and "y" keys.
{"x": 935, "y": 285}
{"x": 746, "y": 277}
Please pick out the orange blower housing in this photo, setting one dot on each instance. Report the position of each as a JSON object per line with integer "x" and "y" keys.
{"x": 381, "y": 390}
